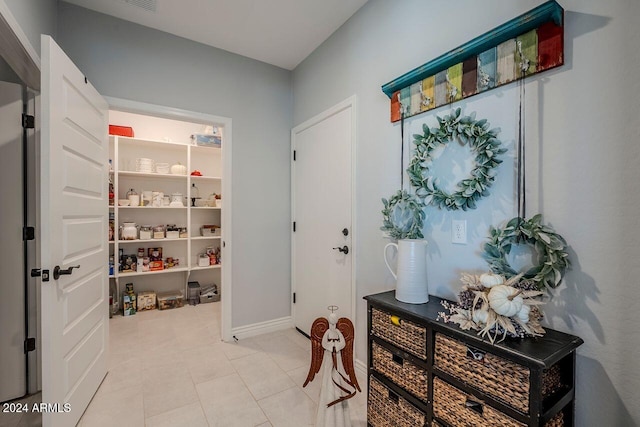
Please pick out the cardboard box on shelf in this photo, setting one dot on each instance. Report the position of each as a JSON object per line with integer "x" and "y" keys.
{"x": 128, "y": 304}
{"x": 156, "y": 265}
{"x": 146, "y": 300}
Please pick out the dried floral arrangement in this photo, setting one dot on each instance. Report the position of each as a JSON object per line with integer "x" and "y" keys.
{"x": 497, "y": 308}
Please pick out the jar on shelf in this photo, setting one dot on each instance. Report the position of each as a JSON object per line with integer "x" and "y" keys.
{"x": 146, "y": 232}
{"x": 157, "y": 198}
{"x": 176, "y": 200}
{"x": 129, "y": 231}
{"x": 203, "y": 260}
{"x": 173, "y": 232}
{"x": 133, "y": 197}
{"x": 158, "y": 232}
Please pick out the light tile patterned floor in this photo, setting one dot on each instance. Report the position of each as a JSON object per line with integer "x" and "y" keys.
{"x": 170, "y": 368}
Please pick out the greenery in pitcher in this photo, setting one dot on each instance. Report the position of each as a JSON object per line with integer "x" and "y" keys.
{"x": 403, "y": 216}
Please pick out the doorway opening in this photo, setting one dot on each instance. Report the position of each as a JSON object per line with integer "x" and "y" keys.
{"x": 185, "y": 156}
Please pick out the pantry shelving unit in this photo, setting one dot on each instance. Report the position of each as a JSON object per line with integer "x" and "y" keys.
{"x": 208, "y": 160}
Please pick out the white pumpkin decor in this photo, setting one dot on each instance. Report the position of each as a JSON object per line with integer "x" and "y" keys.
{"x": 505, "y": 300}
{"x": 496, "y": 307}
{"x": 489, "y": 280}
{"x": 480, "y": 316}
{"x": 523, "y": 314}
{"x": 178, "y": 169}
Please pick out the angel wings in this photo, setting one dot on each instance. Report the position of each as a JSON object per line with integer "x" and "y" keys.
{"x": 319, "y": 329}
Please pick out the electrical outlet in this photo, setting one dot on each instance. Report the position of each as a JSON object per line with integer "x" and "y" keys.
{"x": 459, "y": 231}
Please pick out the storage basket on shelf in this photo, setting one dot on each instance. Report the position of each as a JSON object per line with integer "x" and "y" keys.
{"x": 500, "y": 378}
{"x": 405, "y": 334}
{"x": 460, "y": 409}
{"x": 388, "y": 409}
{"x": 457, "y": 408}
{"x": 407, "y": 375}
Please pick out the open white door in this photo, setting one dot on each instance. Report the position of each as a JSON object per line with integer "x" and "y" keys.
{"x": 74, "y": 200}
{"x": 322, "y": 189}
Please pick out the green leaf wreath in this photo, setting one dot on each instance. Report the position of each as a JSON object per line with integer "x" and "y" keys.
{"x": 550, "y": 246}
{"x": 403, "y": 216}
{"x": 469, "y": 131}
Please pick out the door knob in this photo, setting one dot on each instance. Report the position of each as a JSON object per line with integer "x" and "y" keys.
{"x": 344, "y": 249}
{"x": 345, "y": 231}
{"x": 57, "y": 271}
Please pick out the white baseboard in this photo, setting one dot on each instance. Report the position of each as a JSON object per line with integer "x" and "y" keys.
{"x": 262, "y": 328}
{"x": 361, "y": 367}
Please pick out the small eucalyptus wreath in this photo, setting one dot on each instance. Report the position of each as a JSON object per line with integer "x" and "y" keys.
{"x": 403, "y": 216}
{"x": 468, "y": 131}
{"x": 550, "y": 246}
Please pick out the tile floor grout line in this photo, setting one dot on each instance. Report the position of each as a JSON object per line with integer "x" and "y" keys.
{"x": 253, "y": 397}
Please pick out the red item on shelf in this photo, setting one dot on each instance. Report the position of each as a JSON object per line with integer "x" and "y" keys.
{"x": 156, "y": 265}
{"x": 121, "y": 130}
{"x": 196, "y": 173}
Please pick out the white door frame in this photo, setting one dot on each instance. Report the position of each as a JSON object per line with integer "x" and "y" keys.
{"x": 178, "y": 114}
{"x": 347, "y": 103}
{"x": 18, "y": 51}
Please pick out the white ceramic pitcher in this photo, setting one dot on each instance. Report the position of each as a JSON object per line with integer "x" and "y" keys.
{"x": 411, "y": 276}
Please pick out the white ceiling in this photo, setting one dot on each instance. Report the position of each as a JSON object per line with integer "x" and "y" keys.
{"x": 279, "y": 32}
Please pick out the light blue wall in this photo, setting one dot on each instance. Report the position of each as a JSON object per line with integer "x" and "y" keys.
{"x": 35, "y": 17}
{"x": 582, "y": 147}
{"x": 126, "y": 60}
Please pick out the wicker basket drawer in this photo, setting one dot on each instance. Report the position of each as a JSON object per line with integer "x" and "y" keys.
{"x": 407, "y": 375}
{"x": 404, "y": 334}
{"x": 499, "y": 378}
{"x": 457, "y": 408}
{"x": 386, "y": 409}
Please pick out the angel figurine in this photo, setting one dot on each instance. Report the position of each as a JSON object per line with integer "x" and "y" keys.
{"x": 332, "y": 350}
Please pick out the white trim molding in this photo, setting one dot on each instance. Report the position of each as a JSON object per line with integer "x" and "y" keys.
{"x": 260, "y": 328}
{"x": 361, "y": 367}
{"x": 17, "y": 51}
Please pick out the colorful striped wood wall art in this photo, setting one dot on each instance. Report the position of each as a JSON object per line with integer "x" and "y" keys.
{"x": 529, "y": 44}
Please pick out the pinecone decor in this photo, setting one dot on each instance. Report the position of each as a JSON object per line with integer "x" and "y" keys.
{"x": 497, "y": 308}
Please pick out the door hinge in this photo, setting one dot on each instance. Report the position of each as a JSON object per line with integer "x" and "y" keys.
{"x": 294, "y": 226}
{"x": 294, "y": 297}
{"x": 294, "y": 155}
{"x": 28, "y": 122}
{"x": 28, "y": 233}
{"x": 224, "y": 244}
{"x": 29, "y": 345}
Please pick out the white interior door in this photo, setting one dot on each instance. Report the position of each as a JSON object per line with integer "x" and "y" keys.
{"x": 12, "y": 292}
{"x": 74, "y": 157}
{"x": 322, "y": 189}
